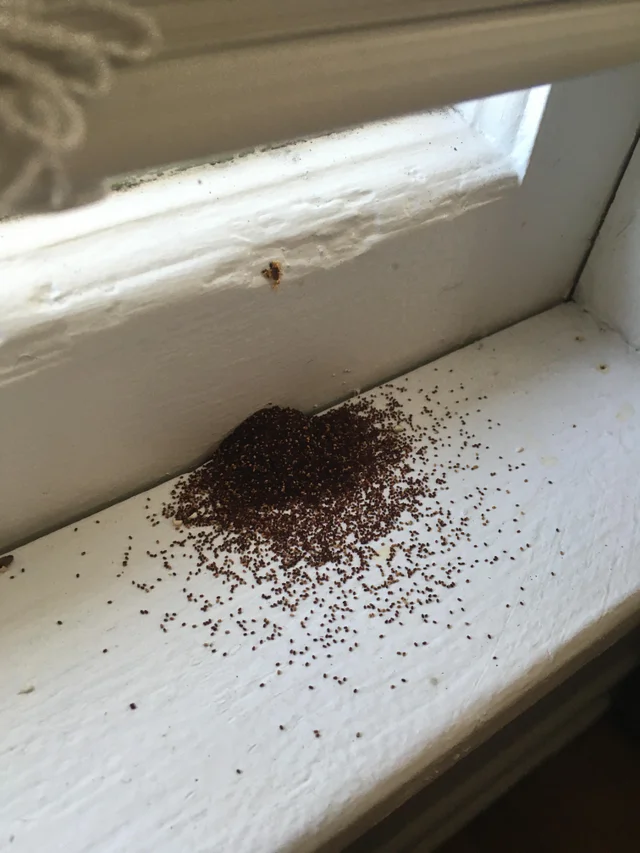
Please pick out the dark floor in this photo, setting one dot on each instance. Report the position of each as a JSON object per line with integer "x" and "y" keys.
{"x": 585, "y": 799}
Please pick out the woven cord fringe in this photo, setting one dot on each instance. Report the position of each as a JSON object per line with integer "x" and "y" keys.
{"x": 54, "y": 55}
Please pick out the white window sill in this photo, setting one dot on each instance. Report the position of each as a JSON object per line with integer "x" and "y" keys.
{"x": 86, "y": 772}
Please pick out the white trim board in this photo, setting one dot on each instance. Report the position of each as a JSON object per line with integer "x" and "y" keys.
{"x": 134, "y": 336}
{"x": 87, "y": 772}
{"x": 471, "y": 153}
{"x": 208, "y": 232}
{"x": 398, "y": 174}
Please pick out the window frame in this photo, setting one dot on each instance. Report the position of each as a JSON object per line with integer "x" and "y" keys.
{"x": 196, "y": 103}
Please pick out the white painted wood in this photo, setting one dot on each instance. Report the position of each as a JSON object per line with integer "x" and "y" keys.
{"x": 442, "y": 808}
{"x": 610, "y": 283}
{"x": 510, "y": 121}
{"x": 201, "y": 101}
{"x": 84, "y": 772}
{"x": 536, "y": 746}
{"x": 132, "y": 343}
{"x": 350, "y": 189}
{"x": 403, "y": 171}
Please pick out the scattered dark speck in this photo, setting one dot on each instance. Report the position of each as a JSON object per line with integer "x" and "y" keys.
{"x": 284, "y": 493}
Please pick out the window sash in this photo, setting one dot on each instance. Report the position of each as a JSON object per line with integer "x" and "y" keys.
{"x": 203, "y": 25}
{"x": 231, "y": 76}
{"x": 199, "y": 105}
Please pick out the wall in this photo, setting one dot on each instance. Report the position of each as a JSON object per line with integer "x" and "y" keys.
{"x": 610, "y": 283}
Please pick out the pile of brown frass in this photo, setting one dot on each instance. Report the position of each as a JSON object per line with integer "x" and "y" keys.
{"x": 303, "y": 489}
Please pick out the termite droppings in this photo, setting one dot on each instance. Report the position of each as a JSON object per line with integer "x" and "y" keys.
{"x": 301, "y": 509}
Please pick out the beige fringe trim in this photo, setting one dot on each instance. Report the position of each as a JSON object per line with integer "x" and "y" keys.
{"x": 54, "y": 55}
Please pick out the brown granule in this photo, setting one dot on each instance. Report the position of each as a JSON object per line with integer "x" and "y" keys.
{"x": 273, "y": 273}
{"x": 282, "y": 479}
